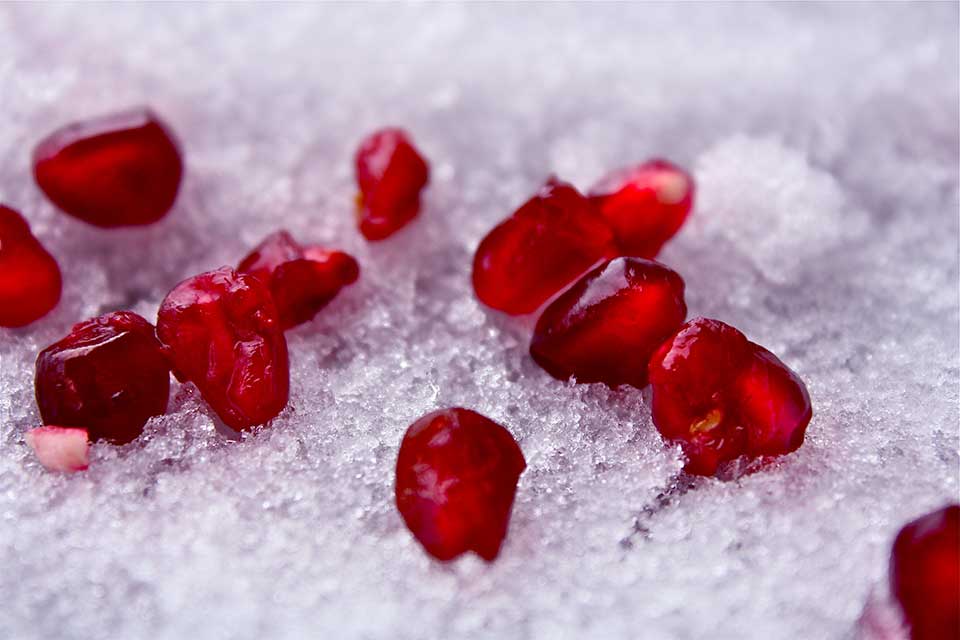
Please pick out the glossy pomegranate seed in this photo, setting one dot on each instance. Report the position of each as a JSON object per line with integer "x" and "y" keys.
{"x": 390, "y": 173}
{"x": 721, "y": 397}
{"x": 118, "y": 170}
{"x": 224, "y": 335}
{"x": 925, "y": 574}
{"x": 549, "y": 242}
{"x": 302, "y": 280}
{"x": 457, "y": 474}
{"x": 109, "y": 374}
{"x": 30, "y": 281}
{"x": 60, "y": 448}
{"x": 606, "y": 327}
{"x": 645, "y": 205}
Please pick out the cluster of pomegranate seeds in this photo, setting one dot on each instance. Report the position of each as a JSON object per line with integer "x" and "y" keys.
{"x": 606, "y": 327}
{"x": 925, "y": 574}
{"x": 390, "y": 174}
{"x": 64, "y": 449}
{"x": 457, "y": 474}
{"x": 118, "y": 170}
{"x": 302, "y": 280}
{"x": 223, "y": 333}
{"x": 109, "y": 375}
{"x": 30, "y": 281}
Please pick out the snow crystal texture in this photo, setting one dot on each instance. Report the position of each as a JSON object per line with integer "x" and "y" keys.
{"x": 824, "y": 140}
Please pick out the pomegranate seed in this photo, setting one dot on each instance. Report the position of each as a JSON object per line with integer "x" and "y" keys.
{"x": 721, "y": 397}
{"x": 117, "y": 170}
{"x": 224, "y": 335}
{"x": 606, "y": 327}
{"x": 925, "y": 574}
{"x": 60, "y": 448}
{"x": 390, "y": 173}
{"x": 109, "y": 374}
{"x": 549, "y": 242}
{"x": 302, "y": 280}
{"x": 645, "y": 205}
{"x": 30, "y": 281}
{"x": 457, "y": 474}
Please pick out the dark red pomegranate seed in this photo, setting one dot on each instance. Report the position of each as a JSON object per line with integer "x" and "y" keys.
{"x": 30, "y": 281}
{"x": 109, "y": 374}
{"x": 390, "y": 173}
{"x": 645, "y": 205}
{"x": 118, "y": 170}
{"x": 925, "y": 574}
{"x": 606, "y": 327}
{"x": 223, "y": 334}
{"x": 457, "y": 474}
{"x": 721, "y": 397}
{"x": 302, "y": 280}
{"x": 549, "y": 242}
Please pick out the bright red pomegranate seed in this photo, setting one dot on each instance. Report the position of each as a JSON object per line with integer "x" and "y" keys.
{"x": 223, "y": 333}
{"x": 721, "y": 397}
{"x": 60, "y": 448}
{"x": 549, "y": 242}
{"x": 457, "y": 474}
{"x": 645, "y": 205}
{"x": 302, "y": 280}
{"x": 925, "y": 574}
{"x": 118, "y": 170}
{"x": 30, "y": 281}
{"x": 109, "y": 375}
{"x": 390, "y": 173}
{"x": 606, "y": 327}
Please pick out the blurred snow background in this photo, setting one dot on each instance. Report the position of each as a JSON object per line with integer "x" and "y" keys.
{"x": 824, "y": 139}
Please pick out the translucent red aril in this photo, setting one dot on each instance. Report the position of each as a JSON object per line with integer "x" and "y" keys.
{"x": 109, "y": 375}
{"x": 30, "y": 281}
{"x": 60, "y": 448}
{"x": 925, "y": 574}
{"x": 390, "y": 173}
{"x": 606, "y": 327}
{"x": 549, "y": 242}
{"x": 457, "y": 474}
{"x": 223, "y": 334}
{"x": 302, "y": 280}
{"x": 645, "y": 205}
{"x": 117, "y": 170}
{"x": 721, "y": 397}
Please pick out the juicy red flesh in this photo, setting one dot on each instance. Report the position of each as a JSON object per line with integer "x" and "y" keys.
{"x": 606, "y": 327}
{"x": 549, "y": 242}
{"x": 118, "y": 170}
{"x": 645, "y": 205}
{"x": 109, "y": 374}
{"x": 223, "y": 334}
{"x": 390, "y": 174}
{"x": 722, "y": 397}
{"x": 925, "y": 574}
{"x": 457, "y": 474}
{"x": 30, "y": 281}
{"x": 302, "y": 280}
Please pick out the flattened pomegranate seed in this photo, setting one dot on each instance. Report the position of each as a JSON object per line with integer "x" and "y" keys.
{"x": 118, "y": 170}
{"x": 30, "y": 281}
{"x": 60, "y": 448}
{"x": 224, "y": 335}
{"x": 606, "y": 327}
{"x": 457, "y": 475}
{"x": 645, "y": 205}
{"x": 390, "y": 173}
{"x": 925, "y": 574}
{"x": 721, "y": 397}
{"x": 108, "y": 375}
{"x": 549, "y": 242}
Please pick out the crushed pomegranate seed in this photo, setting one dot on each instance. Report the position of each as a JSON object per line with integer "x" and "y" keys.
{"x": 457, "y": 474}
{"x": 390, "y": 174}
{"x": 30, "y": 282}
{"x": 606, "y": 327}
{"x": 109, "y": 375}
{"x": 223, "y": 334}
{"x": 60, "y": 448}
{"x": 118, "y": 170}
